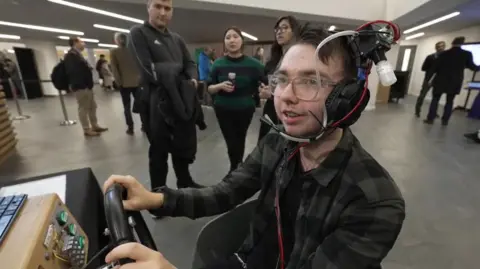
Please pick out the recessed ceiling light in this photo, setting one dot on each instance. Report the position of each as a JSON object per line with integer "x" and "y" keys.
{"x": 332, "y": 28}
{"x": 41, "y": 28}
{"x": 247, "y": 35}
{"x": 11, "y": 51}
{"x": 108, "y": 45}
{"x": 96, "y": 10}
{"x": 89, "y": 40}
{"x": 9, "y": 36}
{"x": 414, "y": 36}
{"x": 432, "y": 22}
{"x": 111, "y": 28}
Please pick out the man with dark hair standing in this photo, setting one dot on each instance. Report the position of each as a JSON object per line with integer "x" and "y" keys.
{"x": 127, "y": 76}
{"x": 80, "y": 78}
{"x": 448, "y": 71}
{"x": 170, "y": 106}
{"x": 427, "y": 67}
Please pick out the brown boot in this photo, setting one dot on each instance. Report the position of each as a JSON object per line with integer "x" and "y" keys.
{"x": 90, "y": 132}
{"x": 99, "y": 129}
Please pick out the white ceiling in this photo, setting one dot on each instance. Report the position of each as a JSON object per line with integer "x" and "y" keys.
{"x": 200, "y": 25}
{"x": 196, "y": 26}
{"x": 469, "y": 16}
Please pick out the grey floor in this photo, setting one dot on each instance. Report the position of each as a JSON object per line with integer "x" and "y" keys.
{"x": 435, "y": 167}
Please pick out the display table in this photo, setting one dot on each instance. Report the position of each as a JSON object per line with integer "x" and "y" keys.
{"x": 8, "y": 139}
{"x": 80, "y": 191}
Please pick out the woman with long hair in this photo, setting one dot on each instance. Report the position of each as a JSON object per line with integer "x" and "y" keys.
{"x": 286, "y": 29}
{"x": 233, "y": 83}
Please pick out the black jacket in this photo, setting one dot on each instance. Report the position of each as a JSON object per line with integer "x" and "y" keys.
{"x": 449, "y": 68}
{"x": 169, "y": 99}
{"x": 79, "y": 72}
{"x": 428, "y": 65}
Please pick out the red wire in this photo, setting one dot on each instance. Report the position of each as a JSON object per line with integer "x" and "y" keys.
{"x": 279, "y": 232}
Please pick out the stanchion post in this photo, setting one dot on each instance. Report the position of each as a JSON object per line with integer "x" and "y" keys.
{"x": 15, "y": 98}
{"x": 66, "y": 122}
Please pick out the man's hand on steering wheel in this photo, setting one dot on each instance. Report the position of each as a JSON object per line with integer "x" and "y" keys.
{"x": 138, "y": 197}
{"x": 144, "y": 257}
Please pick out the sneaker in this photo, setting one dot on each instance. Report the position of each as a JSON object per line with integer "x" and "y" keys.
{"x": 473, "y": 136}
{"x": 428, "y": 121}
{"x": 90, "y": 132}
{"x": 99, "y": 129}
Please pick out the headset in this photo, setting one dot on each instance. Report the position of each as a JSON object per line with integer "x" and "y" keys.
{"x": 349, "y": 98}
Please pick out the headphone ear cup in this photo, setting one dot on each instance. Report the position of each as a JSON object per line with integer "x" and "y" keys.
{"x": 343, "y": 99}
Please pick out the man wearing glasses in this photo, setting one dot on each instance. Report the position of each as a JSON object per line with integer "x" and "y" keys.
{"x": 322, "y": 204}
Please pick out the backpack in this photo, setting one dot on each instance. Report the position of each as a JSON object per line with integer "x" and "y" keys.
{"x": 59, "y": 76}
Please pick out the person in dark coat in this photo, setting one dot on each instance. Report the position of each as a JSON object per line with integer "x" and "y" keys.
{"x": 427, "y": 67}
{"x": 169, "y": 105}
{"x": 448, "y": 71}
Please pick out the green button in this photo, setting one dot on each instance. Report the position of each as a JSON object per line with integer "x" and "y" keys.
{"x": 81, "y": 242}
{"x": 72, "y": 229}
{"x": 62, "y": 218}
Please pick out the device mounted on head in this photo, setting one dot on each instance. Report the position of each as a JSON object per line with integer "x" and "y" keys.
{"x": 350, "y": 97}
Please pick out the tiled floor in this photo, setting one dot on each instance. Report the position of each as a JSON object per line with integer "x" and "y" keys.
{"x": 435, "y": 167}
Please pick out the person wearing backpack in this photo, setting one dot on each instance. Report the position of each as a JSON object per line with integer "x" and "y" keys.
{"x": 80, "y": 81}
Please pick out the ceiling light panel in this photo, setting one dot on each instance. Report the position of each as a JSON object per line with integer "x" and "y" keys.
{"x": 89, "y": 40}
{"x": 247, "y": 35}
{"x": 2, "y": 36}
{"x": 96, "y": 10}
{"x": 41, "y": 28}
{"x": 414, "y": 36}
{"x": 107, "y": 45}
{"x": 331, "y": 28}
{"x": 111, "y": 28}
{"x": 432, "y": 22}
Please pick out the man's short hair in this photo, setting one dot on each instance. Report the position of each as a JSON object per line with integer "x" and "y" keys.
{"x": 121, "y": 39}
{"x": 439, "y": 43}
{"x": 73, "y": 40}
{"x": 313, "y": 34}
{"x": 458, "y": 40}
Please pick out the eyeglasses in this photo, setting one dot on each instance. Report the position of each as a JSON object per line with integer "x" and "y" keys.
{"x": 304, "y": 88}
{"x": 281, "y": 28}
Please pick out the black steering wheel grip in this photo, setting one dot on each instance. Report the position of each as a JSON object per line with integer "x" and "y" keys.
{"x": 118, "y": 220}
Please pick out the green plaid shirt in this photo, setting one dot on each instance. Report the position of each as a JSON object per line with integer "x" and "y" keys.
{"x": 349, "y": 217}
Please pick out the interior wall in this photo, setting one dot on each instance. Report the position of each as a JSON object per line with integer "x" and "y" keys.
{"x": 6, "y": 46}
{"x": 426, "y": 46}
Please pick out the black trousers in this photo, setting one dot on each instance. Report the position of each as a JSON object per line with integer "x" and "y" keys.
{"x": 421, "y": 96}
{"x": 447, "y": 110}
{"x": 158, "y": 166}
{"x": 234, "y": 126}
{"x": 126, "y": 94}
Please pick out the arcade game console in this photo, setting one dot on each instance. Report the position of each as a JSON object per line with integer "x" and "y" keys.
{"x": 45, "y": 235}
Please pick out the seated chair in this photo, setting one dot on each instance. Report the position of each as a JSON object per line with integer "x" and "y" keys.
{"x": 224, "y": 235}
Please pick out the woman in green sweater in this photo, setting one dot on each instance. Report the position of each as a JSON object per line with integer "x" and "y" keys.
{"x": 234, "y": 80}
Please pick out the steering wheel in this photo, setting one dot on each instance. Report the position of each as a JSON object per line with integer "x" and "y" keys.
{"x": 120, "y": 222}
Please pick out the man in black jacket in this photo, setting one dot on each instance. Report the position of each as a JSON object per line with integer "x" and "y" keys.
{"x": 448, "y": 70}
{"x": 80, "y": 78}
{"x": 169, "y": 105}
{"x": 427, "y": 67}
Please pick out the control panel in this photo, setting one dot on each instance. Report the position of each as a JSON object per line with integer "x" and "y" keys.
{"x": 45, "y": 236}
